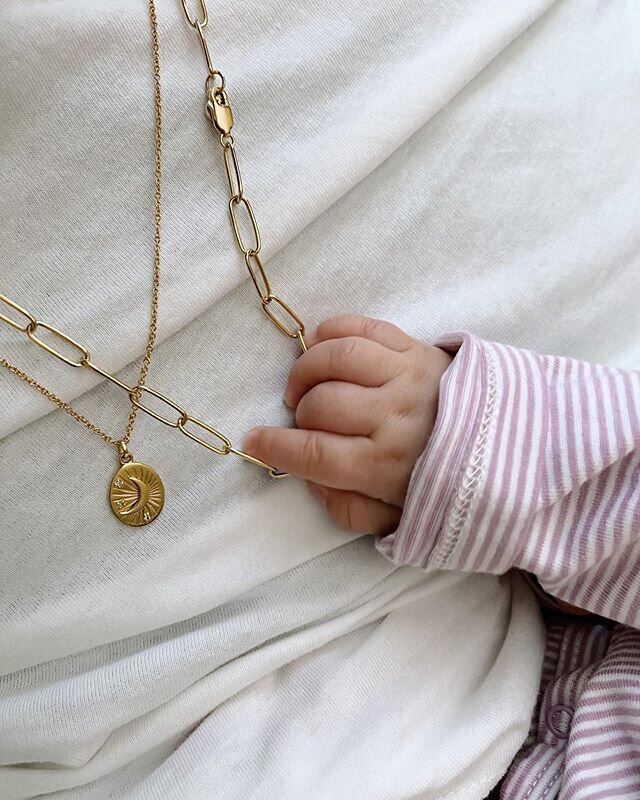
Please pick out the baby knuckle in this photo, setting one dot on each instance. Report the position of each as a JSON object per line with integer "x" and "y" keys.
{"x": 380, "y": 458}
{"x": 395, "y": 454}
{"x": 350, "y": 348}
{"x": 335, "y": 506}
{"x": 311, "y": 452}
{"x": 418, "y": 369}
{"x": 346, "y": 511}
{"x": 342, "y": 353}
{"x": 372, "y": 327}
{"x": 405, "y": 408}
{"x": 352, "y": 518}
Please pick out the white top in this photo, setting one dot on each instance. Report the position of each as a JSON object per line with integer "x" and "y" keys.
{"x": 445, "y": 165}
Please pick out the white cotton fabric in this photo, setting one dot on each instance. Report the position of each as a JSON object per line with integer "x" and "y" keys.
{"x": 445, "y": 165}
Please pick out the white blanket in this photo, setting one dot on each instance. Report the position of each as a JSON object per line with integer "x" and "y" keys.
{"x": 445, "y": 164}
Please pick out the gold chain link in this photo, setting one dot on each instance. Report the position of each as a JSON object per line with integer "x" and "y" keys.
{"x": 219, "y": 111}
{"x": 286, "y": 320}
{"x": 32, "y": 324}
{"x": 179, "y": 420}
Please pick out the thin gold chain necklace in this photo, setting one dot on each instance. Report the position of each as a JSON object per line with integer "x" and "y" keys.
{"x": 136, "y": 493}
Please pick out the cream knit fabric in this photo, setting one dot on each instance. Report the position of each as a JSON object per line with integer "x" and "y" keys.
{"x": 439, "y": 164}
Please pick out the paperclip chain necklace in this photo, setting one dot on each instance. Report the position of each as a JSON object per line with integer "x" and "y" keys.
{"x": 136, "y": 493}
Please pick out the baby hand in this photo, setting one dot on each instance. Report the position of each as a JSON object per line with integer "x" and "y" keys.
{"x": 366, "y": 398}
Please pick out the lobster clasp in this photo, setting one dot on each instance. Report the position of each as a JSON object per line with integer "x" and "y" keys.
{"x": 219, "y": 110}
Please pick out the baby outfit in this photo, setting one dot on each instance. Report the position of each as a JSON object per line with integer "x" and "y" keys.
{"x": 445, "y": 164}
{"x": 534, "y": 463}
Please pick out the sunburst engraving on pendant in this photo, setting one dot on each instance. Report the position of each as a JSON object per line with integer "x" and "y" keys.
{"x": 136, "y": 494}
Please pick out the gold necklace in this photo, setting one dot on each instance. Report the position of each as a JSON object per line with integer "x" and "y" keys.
{"x": 136, "y": 493}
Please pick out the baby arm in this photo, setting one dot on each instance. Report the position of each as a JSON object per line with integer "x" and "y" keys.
{"x": 496, "y": 459}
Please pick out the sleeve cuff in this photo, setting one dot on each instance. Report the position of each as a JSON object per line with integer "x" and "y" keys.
{"x": 445, "y": 477}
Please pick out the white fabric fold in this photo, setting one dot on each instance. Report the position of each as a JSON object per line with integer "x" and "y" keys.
{"x": 445, "y": 165}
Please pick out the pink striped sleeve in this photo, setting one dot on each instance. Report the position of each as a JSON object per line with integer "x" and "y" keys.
{"x": 534, "y": 463}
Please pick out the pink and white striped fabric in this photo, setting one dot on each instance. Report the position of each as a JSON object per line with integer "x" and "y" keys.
{"x": 534, "y": 464}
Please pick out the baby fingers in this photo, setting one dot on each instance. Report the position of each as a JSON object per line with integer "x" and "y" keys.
{"x": 352, "y": 359}
{"x": 342, "y": 462}
{"x": 341, "y": 407}
{"x": 358, "y": 513}
{"x": 378, "y": 330}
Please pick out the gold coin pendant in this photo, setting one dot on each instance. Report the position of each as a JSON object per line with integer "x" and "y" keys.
{"x": 136, "y": 494}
